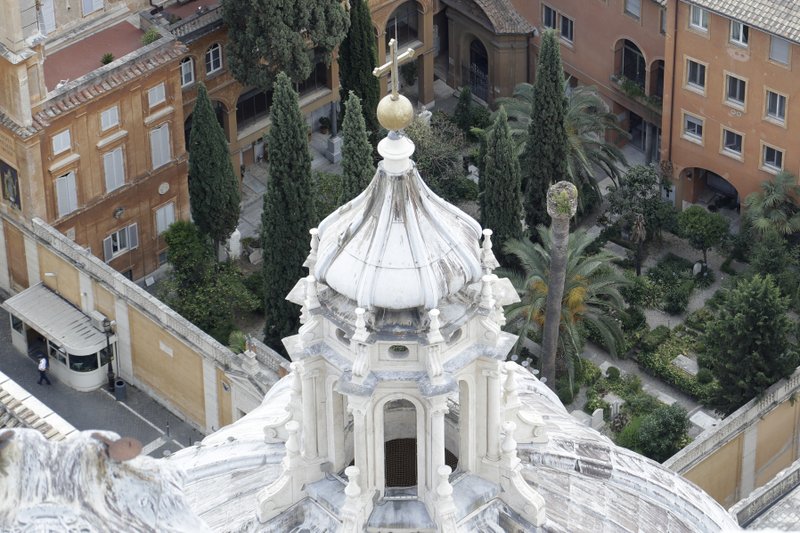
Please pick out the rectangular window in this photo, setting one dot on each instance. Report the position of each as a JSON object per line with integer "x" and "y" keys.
{"x": 114, "y": 167}
{"x": 663, "y": 21}
{"x": 776, "y": 106}
{"x": 567, "y": 28}
{"x": 61, "y": 142}
{"x": 213, "y": 58}
{"x": 187, "y": 72}
{"x": 633, "y": 8}
{"x": 740, "y": 33}
{"x": 109, "y": 118}
{"x": 162, "y": 258}
{"x": 698, "y": 18}
{"x": 549, "y": 17}
{"x": 779, "y": 50}
{"x": 159, "y": 145}
{"x": 731, "y": 142}
{"x": 121, "y": 241}
{"x": 17, "y": 325}
{"x": 696, "y": 75}
{"x": 156, "y": 95}
{"x": 773, "y": 158}
{"x": 735, "y": 90}
{"x": 693, "y": 127}
{"x": 66, "y": 194}
{"x": 90, "y": 6}
{"x": 165, "y": 215}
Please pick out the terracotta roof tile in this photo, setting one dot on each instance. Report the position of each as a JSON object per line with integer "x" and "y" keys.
{"x": 498, "y": 15}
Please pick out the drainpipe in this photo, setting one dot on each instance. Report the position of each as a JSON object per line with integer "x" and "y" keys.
{"x": 672, "y": 81}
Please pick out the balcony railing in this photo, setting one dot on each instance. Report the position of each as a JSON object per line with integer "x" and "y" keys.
{"x": 197, "y": 25}
{"x": 635, "y": 92}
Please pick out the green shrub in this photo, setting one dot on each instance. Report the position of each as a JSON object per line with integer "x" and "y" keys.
{"x": 655, "y": 338}
{"x": 237, "y": 341}
{"x": 458, "y": 189}
{"x": 587, "y": 372}
{"x": 659, "y": 363}
{"x": 150, "y": 36}
{"x": 564, "y": 391}
{"x": 107, "y": 58}
{"x": 705, "y": 279}
{"x": 726, "y": 266}
{"x": 641, "y": 404}
{"x": 597, "y": 403}
{"x": 704, "y": 376}
{"x": 612, "y": 373}
{"x": 255, "y": 284}
{"x": 676, "y": 297}
{"x": 629, "y": 436}
{"x": 698, "y": 319}
{"x": 633, "y": 319}
{"x": 408, "y": 72}
{"x": 630, "y": 385}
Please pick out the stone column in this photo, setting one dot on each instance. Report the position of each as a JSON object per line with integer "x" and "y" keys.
{"x": 492, "y": 413}
{"x": 438, "y": 408}
{"x": 361, "y": 440}
{"x": 309, "y": 381}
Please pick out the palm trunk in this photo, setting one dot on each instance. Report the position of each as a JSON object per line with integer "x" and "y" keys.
{"x": 561, "y": 206}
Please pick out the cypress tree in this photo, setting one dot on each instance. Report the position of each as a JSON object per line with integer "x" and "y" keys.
{"x": 462, "y": 115}
{"x": 213, "y": 186}
{"x": 502, "y": 194}
{"x": 288, "y": 211}
{"x": 266, "y": 37}
{"x": 544, "y": 160}
{"x": 357, "y": 166}
{"x": 357, "y": 60}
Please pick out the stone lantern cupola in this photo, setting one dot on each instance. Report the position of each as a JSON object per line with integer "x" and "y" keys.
{"x": 404, "y": 415}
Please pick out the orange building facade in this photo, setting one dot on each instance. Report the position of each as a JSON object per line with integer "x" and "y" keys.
{"x": 733, "y": 119}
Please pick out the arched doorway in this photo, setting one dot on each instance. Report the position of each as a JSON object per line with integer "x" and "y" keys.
{"x": 400, "y": 444}
{"x": 479, "y": 70}
{"x": 711, "y": 190}
{"x": 657, "y": 78}
{"x": 220, "y": 111}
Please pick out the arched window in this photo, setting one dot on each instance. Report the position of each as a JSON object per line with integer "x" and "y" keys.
{"x": 187, "y": 72}
{"x": 213, "y": 59}
{"x": 404, "y": 24}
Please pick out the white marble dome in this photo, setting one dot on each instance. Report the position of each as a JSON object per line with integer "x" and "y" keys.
{"x": 398, "y": 245}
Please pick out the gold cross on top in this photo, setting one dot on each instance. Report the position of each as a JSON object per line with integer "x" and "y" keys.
{"x": 392, "y": 65}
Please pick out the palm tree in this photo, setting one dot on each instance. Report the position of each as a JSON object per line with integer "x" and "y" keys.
{"x": 591, "y": 298}
{"x": 775, "y": 207}
{"x": 587, "y": 121}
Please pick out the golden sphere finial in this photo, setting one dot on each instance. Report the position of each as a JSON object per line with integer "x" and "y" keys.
{"x": 395, "y": 113}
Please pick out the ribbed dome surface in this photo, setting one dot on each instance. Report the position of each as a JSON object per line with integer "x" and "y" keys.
{"x": 398, "y": 245}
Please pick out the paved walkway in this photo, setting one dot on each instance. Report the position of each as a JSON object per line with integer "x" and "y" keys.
{"x": 139, "y": 416}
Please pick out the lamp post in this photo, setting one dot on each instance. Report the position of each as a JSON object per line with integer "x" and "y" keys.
{"x": 107, "y": 331}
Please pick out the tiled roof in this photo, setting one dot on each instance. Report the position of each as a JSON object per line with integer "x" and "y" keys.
{"x": 500, "y": 15}
{"x": 94, "y": 85}
{"x": 778, "y": 17}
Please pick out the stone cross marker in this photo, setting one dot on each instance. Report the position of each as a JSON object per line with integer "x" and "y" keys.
{"x": 392, "y": 66}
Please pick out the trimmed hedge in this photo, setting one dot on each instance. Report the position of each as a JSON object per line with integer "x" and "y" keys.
{"x": 659, "y": 363}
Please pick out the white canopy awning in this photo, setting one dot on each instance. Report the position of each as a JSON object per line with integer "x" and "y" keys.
{"x": 57, "y": 319}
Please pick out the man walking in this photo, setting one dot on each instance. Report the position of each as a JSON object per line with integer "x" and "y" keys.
{"x": 43, "y": 371}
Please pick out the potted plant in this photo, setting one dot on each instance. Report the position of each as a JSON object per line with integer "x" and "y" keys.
{"x": 324, "y": 125}
{"x": 107, "y": 58}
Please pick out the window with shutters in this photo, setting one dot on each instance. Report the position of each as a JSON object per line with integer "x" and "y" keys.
{"x": 90, "y": 6}
{"x": 779, "y": 50}
{"x": 121, "y": 241}
{"x": 61, "y": 142}
{"x": 159, "y": 145}
{"x": 692, "y": 128}
{"x": 109, "y": 118}
{"x": 156, "y": 95}
{"x": 165, "y": 215}
{"x": 114, "y": 167}
{"x": 66, "y": 194}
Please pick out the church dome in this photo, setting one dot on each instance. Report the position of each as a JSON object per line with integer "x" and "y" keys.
{"x": 398, "y": 245}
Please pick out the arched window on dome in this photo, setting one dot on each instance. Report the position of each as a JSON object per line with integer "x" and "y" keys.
{"x": 400, "y": 444}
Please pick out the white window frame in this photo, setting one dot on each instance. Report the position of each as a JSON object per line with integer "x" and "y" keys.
{"x": 213, "y": 57}
{"x": 693, "y": 84}
{"x": 114, "y": 169}
{"x": 156, "y": 95}
{"x": 634, "y": 8}
{"x": 729, "y": 151}
{"x": 773, "y": 56}
{"x": 187, "y": 74}
{"x": 767, "y": 165}
{"x": 66, "y": 194}
{"x": 740, "y": 83}
{"x": 165, "y": 216}
{"x": 740, "y": 33}
{"x": 160, "y": 149}
{"x": 90, "y": 6}
{"x": 109, "y": 118}
{"x": 571, "y": 26}
{"x": 780, "y": 106}
{"x": 698, "y": 18}
{"x": 545, "y": 10}
{"x": 690, "y": 134}
{"x": 121, "y": 241}
{"x": 61, "y": 142}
